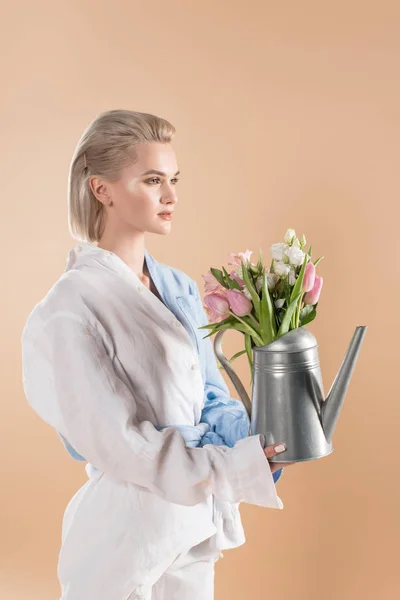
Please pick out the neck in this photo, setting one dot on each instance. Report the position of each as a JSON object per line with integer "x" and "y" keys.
{"x": 131, "y": 251}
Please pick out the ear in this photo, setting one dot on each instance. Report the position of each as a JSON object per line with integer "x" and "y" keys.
{"x": 100, "y": 190}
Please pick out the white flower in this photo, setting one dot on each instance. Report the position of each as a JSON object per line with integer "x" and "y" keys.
{"x": 245, "y": 256}
{"x": 272, "y": 280}
{"x": 303, "y": 241}
{"x": 295, "y": 255}
{"x": 292, "y": 276}
{"x": 246, "y": 293}
{"x": 239, "y": 271}
{"x": 277, "y": 251}
{"x": 296, "y": 243}
{"x": 279, "y": 303}
{"x": 281, "y": 269}
{"x": 289, "y": 235}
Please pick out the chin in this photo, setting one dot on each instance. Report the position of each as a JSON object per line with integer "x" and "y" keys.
{"x": 160, "y": 230}
{"x": 166, "y": 229}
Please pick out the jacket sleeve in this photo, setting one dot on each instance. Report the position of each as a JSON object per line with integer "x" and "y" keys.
{"x": 226, "y": 416}
{"x": 70, "y": 382}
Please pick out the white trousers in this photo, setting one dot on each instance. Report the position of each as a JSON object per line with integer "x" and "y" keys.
{"x": 189, "y": 577}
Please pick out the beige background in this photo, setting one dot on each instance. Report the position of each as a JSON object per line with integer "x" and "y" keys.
{"x": 287, "y": 116}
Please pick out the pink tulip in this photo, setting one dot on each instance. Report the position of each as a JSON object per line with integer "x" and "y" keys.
{"x": 233, "y": 275}
{"x": 239, "y": 303}
{"x": 312, "y": 296}
{"x": 217, "y": 304}
{"x": 213, "y": 316}
{"x": 211, "y": 283}
{"x": 309, "y": 277}
{"x": 235, "y": 258}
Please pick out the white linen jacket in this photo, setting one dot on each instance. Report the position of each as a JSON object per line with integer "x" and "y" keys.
{"x": 107, "y": 365}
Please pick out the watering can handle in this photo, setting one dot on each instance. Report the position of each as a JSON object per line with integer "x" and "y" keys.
{"x": 231, "y": 372}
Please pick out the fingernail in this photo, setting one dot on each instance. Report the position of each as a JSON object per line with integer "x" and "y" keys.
{"x": 280, "y": 448}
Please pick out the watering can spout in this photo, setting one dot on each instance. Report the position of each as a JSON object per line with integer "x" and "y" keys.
{"x": 330, "y": 408}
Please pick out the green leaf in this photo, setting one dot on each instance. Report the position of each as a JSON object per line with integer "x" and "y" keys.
{"x": 217, "y": 324}
{"x": 250, "y": 330}
{"x": 298, "y": 286}
{"x": 253, "y": 292}
{"x": 308, "y": 318}
{"x": 232, "y": 284}
{"x": 267, "y": 313}
{"x": 251, "y": 320}
{"x": 215, "y": 331}
{"x": 305, "y": 311}
{"x": 249, "y": 352}
{"x": 235, "y": 356}
{"x": 284, "y": 327}
{"x": 259, "y": 262}
{"x": 271, "y": 265}
{"x": 232, "y": 358}
{"x": 225, "y": 324}
{"x": 317, "y": 261}
{"x": 253, "y": 270}
{"x": 239, "y": 326}
{"x": 231, "y": 325}
{"x": 218, "y": 276}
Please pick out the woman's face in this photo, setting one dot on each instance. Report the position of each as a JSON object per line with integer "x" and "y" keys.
{"x": 141, "y": 194}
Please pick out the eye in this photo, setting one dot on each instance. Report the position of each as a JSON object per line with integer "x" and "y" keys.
{"x": 175, "y": 179}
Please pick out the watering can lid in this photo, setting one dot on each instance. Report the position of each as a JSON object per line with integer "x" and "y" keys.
{"x": 295, "y": 340}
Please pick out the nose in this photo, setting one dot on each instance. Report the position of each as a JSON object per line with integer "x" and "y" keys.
{"x": 170, "y": 196}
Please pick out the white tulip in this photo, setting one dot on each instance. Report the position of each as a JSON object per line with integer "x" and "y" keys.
{"x": 246, "y": 293}
{"x": 239, "y": 271}
{"x": 295, "y": 255}
{"x": 277, "y": 251}
{"x": 279, "y": 303}
{"x": 281, "y": 269}
{"x": 292, "y": 276}
{"x": 289, "y": 235}
{"x": 272, "y": 280}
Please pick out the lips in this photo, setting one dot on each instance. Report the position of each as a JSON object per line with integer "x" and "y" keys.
{"x": 166, "y": 212}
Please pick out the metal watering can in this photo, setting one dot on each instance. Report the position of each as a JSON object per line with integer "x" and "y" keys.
{"x": 288, "y": 402}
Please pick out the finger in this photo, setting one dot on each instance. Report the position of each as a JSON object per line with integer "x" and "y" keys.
{"x": 275, "y": 449}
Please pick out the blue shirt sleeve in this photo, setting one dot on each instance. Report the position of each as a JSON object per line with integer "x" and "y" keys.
{"x": 277, "y": 475}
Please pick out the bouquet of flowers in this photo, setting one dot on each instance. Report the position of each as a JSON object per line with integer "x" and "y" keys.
{"x": 263, "y": 302}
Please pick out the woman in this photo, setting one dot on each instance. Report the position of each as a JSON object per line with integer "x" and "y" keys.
{"x": 114, "y": 361}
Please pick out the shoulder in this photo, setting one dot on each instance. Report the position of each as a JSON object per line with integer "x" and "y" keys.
{"x": 178, "y": 282}
{"x": 63, "y": 300}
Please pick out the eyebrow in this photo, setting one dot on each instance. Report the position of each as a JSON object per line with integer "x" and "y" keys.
{"x": 158, "y": 172}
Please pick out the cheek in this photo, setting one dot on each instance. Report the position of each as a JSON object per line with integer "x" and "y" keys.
{"x": 132, "y": 193}
{"x": 139, "y": 192}
{"x": 132, "y": 187}
{"x": 138, "y": 200}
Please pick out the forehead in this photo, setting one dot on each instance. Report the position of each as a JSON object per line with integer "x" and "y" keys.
{"x": 155, "y": 155}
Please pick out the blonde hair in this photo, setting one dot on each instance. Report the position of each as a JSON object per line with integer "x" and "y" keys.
{"x": 106, "y": 147}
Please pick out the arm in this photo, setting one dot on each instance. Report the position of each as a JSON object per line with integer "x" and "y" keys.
{"x": 226, "y": 416}
{"x": 69, "y": 380}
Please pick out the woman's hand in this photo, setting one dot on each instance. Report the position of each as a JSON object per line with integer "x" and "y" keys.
{"x": 274, "y": 450}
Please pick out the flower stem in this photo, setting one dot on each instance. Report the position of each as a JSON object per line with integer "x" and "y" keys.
{"x": 255, "y": 322}
{"x": 298, "y": 310}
